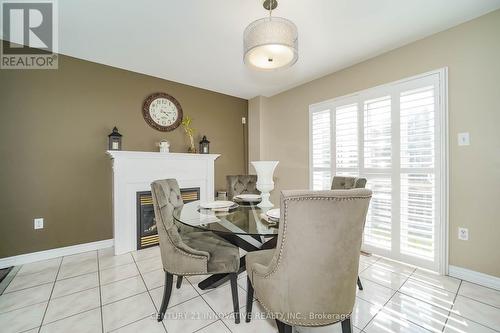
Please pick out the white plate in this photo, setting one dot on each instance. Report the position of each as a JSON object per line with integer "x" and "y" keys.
{"x": 216, "y": 204}
{"x": 248, "y": 197}
{"x": 273, "y": 213}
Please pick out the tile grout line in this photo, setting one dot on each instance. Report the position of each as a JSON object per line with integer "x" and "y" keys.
{"x": 479, "y": 285}
{"x": 383, "y": 306}
{"x": 399, "y": 291}
{"x": 409, "y": 277}
{"x": 114, "y": 266}
{"x": 100, "y": 291}
{"x": 420, "y": 300}
{"x": 135, "y": 321}
{"x": 199, "y": 329}
{"x": 451, "y": 308}
{"x": 74, "y": 292}
{"x": 204, "y": 300}
{"x": 79, "y": 275}
{"x": 15, "y": 274}
{"x": 379, "y": 310}
{"x": 148, "y": 291}
{"x": 143, "y": 292}
{"x": 66, "y": 317}
{"x": 380, "y": 284}
{"x": 73, "y": 315}
{"x": 218, "y": 317}
{"x": 189, "y": 299}
{"x": 472, "y": 320}
{"x": 23, "y": 307}
{"x": 403, "y": 275}
{"x": 476, "y": 300}
{"x": 444, "y": 326}
{"x": 119, "y": 280}
{"x": 13, "y": 291}
{"x": 50, "y": 296}
{"x": 75, "y": 276}
{"x": 121, "y": 299}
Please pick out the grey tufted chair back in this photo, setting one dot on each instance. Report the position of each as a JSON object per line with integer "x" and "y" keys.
{"x": 315, "y": 264}
{"x": 241, "y": 184}
{"x": 347, "y": 183}
{"x": 177, "y": 257}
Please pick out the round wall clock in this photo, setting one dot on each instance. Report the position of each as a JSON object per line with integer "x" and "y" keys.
{"x": 162, "y": 112}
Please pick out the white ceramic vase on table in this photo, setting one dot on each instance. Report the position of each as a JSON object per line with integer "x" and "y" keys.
{"x": 265, "y": 183}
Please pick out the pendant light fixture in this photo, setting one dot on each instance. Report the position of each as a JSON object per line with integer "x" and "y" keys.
{"x": 270, "y": 43}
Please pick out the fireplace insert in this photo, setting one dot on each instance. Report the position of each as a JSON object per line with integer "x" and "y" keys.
{"x": 147, "y": 234}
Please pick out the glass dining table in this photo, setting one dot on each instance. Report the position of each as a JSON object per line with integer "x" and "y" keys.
{"x": 245, "y": 226}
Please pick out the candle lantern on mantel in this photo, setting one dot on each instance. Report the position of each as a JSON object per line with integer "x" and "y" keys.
{"x": 204, "y": 146}
{"x": 115, "y": 140}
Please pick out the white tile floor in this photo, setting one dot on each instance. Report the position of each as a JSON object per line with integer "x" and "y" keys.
{"x": 99, "y": 292}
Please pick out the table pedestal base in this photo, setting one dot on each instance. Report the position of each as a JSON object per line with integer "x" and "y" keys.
{"x": 216, "y": 280}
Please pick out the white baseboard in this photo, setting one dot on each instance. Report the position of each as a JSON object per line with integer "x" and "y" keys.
{"x": 54, "y": 253}
{"x": 475, "y": 277}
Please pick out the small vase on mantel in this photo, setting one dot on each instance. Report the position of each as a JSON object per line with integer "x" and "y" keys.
{"x": 265, "y": 183}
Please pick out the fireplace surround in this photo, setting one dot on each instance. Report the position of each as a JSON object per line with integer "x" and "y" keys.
{"x": 134, "y": 171}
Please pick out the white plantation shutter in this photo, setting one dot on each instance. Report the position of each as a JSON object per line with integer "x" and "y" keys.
{"x": 418, "y": 212}
{"x": 377, "y": 145}
{"x": 378, "y": 136}
{"x": 346, "y": 137}
{"x": 321, "y": 149}
{"x": 418, "y": 215}
{"x": 391, "y": 136}
{"x": 378, "y": 227}
{"x": 417, "y": 128}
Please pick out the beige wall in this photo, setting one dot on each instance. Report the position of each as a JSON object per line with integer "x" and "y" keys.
{"x": 471, "y": 52}
{"x": 53, "y": 137}
{"x": 256, "y": 106}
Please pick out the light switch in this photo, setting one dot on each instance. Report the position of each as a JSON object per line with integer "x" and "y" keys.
{"x": 463, "y": 139}
{"x": 38, "y": 223}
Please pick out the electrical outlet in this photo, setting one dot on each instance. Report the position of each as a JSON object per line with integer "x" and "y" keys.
{"x": 243, "y": 120}
{"x": 38, "y": 223}
{"x": 463, "y": 234}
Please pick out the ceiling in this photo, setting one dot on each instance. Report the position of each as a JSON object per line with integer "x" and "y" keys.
{"x": 200, "y": 42}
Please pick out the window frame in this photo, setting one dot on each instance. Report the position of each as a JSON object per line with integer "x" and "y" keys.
{"x": 441, "y": 169}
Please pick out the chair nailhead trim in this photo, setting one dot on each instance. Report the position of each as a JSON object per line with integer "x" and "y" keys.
{"x": 299, "y": 323}
{"x": 282, "y": 245}
{"x": 204, "y": 258}
{"x": 186, "y": 274}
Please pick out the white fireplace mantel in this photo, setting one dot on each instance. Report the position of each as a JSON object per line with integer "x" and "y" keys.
{"x": 133, "y": 171}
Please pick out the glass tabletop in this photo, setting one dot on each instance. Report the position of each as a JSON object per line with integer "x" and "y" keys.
{"x": 243, "y": 220}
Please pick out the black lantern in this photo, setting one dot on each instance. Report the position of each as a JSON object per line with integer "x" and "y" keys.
{"x": 115, "y": 140}
{"x": 204, "y": 146}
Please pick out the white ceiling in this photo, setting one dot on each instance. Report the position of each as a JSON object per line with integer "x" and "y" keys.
{"x": 199, "y": 42}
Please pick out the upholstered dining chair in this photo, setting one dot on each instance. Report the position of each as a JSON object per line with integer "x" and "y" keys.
{"x": 189, "y": 253}
{"x": 241, "y": 184}
{"x": 310, "y": 278}
{"x": 348, "y": 183}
